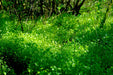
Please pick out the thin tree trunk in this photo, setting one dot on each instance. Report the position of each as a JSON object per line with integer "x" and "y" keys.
{"x": 0, "y": 5}
{"x": 105, "y": 16}
{"x": 41, "y": 7}
{"x": 77, "y": 7}
{"x": 53, "y": 7}
{"x": 68, "y": 4}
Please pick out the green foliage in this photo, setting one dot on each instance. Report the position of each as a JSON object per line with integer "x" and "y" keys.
{"x": 61, "y": 45}
{"x": 4, "y": 69}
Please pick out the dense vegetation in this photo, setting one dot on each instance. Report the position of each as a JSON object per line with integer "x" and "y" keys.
{"x": 56, "y": 37}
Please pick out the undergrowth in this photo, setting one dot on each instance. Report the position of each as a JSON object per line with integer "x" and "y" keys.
{"x": 62, "y": 45}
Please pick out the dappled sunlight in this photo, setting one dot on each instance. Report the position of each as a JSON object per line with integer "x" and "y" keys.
{"x": 56, "y": 43}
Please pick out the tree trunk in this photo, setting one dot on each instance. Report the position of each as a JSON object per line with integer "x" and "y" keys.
{"x": 106, "y": 14}
{"x": 77, "y": 7}
{"x": 0, "y": 5}
{"x": 41, "y": 7}
{"x": 53, "y": 7}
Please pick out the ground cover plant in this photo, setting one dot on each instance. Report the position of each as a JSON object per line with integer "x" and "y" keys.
{"x": 60, "y": 40}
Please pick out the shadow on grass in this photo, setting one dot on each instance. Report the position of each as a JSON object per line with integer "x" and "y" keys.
{"x": 12, "y": 53}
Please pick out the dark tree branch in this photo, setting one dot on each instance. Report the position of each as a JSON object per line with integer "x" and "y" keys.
{"x": 105, "y": 16}
{"x": 81, "y": 3}
{"x": 77, "y": 7}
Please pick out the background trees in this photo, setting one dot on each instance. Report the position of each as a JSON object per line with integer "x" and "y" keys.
{"x": 39, "y": 7}
{"x": 31, "y": 9}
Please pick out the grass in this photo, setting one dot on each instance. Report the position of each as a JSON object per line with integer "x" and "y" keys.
{"x": 63, "y": 45}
